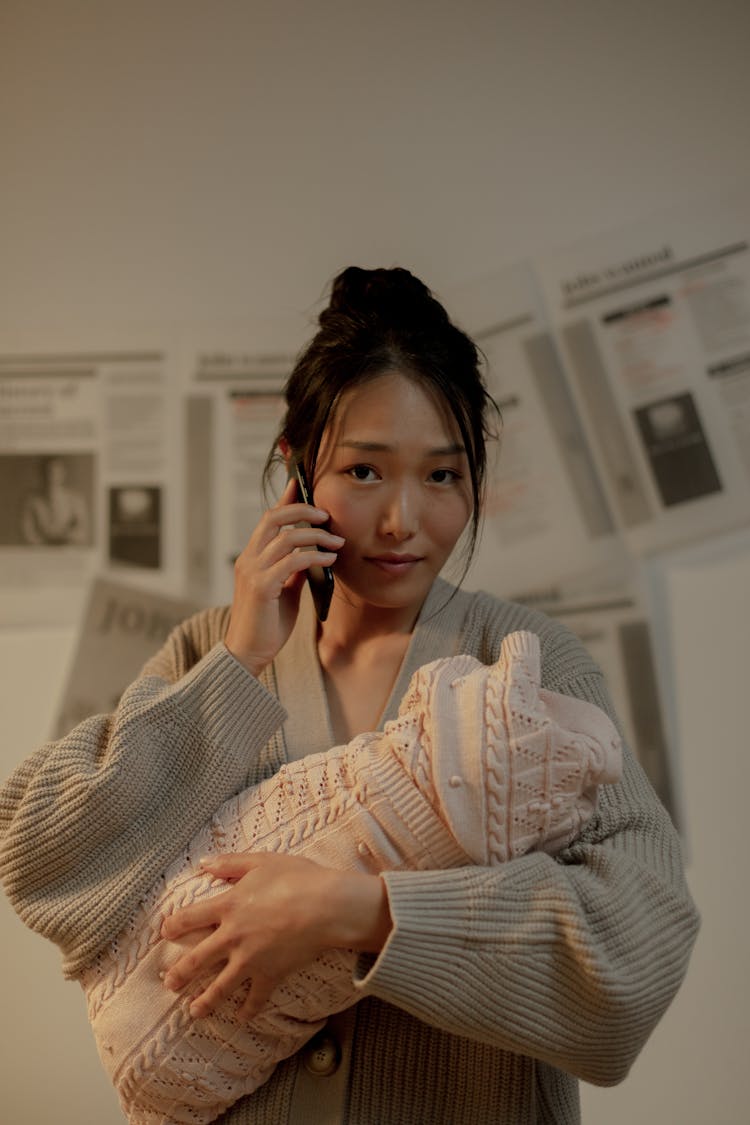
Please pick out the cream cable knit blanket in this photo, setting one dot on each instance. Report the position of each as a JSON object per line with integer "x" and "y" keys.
{"x": 481, "y": 765}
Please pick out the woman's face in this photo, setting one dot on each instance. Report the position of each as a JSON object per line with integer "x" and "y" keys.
{"x": 394, "y": 476}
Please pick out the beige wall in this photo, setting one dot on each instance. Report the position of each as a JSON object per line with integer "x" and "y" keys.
{"x": 174, "y": 162}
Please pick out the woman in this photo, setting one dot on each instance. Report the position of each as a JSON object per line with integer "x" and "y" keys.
{"x": 489, "y": 991}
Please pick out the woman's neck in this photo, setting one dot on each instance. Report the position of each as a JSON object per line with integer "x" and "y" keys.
{"x": 350, "y": 626}
{"x": 361, "y": 649}
{"x": 359, "y": 677}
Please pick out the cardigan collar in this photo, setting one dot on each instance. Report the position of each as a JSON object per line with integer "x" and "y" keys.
{"x": 299, "y": 676}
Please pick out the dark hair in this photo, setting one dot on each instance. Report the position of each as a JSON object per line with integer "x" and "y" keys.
{"x": 379, "y": 320}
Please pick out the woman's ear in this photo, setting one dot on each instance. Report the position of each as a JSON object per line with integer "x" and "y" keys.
{"x": 285, "y": 450}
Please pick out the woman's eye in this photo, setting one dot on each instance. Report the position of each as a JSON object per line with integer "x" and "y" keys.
{"x": 362, "y": 472}
{"x": 444, "y": 476}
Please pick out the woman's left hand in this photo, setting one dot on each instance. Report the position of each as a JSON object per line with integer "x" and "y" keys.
{"x": 279, "y": 914}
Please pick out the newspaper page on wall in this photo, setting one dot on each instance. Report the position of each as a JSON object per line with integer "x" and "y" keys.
{"x": 654, "y": 325}
{"x": 548, "y": 525}
{"x": 87, "y": 475}
{"x": 121, "y": 628}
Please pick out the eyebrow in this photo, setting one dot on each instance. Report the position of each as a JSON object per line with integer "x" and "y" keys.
{"x": 382, "y": 447}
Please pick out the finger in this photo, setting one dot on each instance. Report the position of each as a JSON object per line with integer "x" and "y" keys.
{"x": 293, "y": 537}
{"x": 287, "y": 510}
{"x": 290, "y": 540}
{"x": 290, "y": 509}
{"x": 274, "y": 520}
{"x": 301, "y": 558}
{"x": 261, "y": 990}
{"x": 268, "y": 583}
{"x": 198, "y": 916}
{"x": 231, "y": 865}
{"x": 208, "y": 954}
{"x": 228, "y": 981}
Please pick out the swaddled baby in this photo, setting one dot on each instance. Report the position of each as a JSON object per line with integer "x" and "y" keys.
{"x": 482, "y": 765}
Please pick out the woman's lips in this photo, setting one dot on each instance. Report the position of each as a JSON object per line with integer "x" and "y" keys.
{"x": 395, "y": 564}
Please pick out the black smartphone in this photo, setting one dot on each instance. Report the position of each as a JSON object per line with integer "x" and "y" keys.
{"x": 320, "y": 578}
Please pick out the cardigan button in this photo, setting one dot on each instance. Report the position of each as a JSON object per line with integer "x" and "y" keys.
{"x": 322, "y": 1055}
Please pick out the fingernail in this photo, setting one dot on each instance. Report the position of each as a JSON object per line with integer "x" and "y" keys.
{"x": 204, "y": 861}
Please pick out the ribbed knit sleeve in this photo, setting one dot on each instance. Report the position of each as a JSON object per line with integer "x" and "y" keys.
{"x": 74, "y": 817}
{"x": 571, "y": 959}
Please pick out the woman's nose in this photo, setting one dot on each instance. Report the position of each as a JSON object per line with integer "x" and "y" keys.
{"x": 400, "y": 516}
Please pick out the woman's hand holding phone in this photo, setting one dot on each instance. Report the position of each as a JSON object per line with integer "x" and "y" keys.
{"x": 269, "y": 575}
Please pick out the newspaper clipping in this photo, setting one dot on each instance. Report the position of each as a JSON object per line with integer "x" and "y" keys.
{"x": 654, "y": 323}
{"x": 86, "y": 460}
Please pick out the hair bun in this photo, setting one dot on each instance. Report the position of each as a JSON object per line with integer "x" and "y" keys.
{"x": 395, "y": 295}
